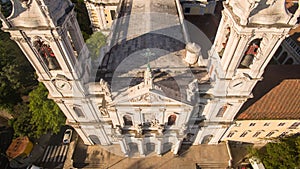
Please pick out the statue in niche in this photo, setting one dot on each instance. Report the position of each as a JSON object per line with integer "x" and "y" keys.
{"x": 118, "y": 130}
{"x": 139, "y": 129}
{"x": 47, "y": 54}
{"x": 103, "y": 111}
{"x": 105, "y": 88}
{"x": 154, "y": 123}
{"x": 160, "y": 129}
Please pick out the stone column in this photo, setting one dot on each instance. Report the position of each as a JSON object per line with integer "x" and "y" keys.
{"x": 82, "y": 135}
{"x": 229, "y": 51}
{"x": 159, "y": 146}
{"x": 237, "y": 55}
{"x": 123, "y": 146}
{"x": 177, "y": 147}
{"x": 141, "y": 147}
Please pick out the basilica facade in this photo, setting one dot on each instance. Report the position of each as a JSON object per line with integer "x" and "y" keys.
{"x": 158, "y": 82}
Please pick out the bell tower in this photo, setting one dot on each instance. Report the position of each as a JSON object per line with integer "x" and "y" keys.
{"x": 249, "y": 33}
{"x": 48, "y": 34}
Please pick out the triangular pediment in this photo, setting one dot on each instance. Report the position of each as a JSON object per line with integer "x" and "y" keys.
{"x": 147, "y": 97}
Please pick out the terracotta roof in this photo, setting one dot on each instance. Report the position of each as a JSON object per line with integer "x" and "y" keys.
{"x": 19, "y": 146}
{"x": 276, "y": 97}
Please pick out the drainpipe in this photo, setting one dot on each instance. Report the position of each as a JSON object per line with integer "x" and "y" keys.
{"x": 229, "y": 153}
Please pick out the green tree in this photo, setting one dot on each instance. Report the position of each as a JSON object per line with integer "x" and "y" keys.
{"x": 21, "y": 124}
{"x": 83, "y": 18}
{"x": 282, "y": 154}
{"x": 94, "y": 43}
{"x": 16, "y": 74}
{"x": 46, "y": 115}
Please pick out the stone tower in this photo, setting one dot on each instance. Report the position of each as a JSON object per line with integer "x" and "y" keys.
{"x": 49, "y": 35}
{"x": 248, "y": 35}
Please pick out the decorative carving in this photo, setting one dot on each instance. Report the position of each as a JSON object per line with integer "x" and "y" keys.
{"x": 104, "y": 87}
{"x": 18, "y": 39}
{"x": 183, "y": 129}
{"x": 103, "y": 111}
{"x": 49, "y": 38}
{"x": 160, "y": 129}
{"x": 139, "y": 129}
{"x": 148, "y": 97}
{"x": 154, "y": 123}
{"x": 118, "y": 130}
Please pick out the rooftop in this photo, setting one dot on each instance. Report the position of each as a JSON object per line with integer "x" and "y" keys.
{"x": 276, "y": 97}
{"x": 148, "y": 32}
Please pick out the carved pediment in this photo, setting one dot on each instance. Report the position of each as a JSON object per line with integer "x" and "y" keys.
{"x": 149, "y": 98}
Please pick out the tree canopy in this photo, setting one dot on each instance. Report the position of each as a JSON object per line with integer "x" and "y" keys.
{"x": 94, "y": 43}
{"x": 283, "y": 154}
{"x": 43, "y": 115}
{"x": 16, "y": 73}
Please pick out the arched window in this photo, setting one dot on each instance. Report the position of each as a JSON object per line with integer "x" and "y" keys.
{"x": 46, "y": 54}
{"x": 172, "y": 119}
{"x": 78, "y": 112}
{"x": 250, "y": 53}
{"x": 282, "y": 57}
{"x": 206, "y": 139}
{"x": 221, "y": 111}
{"x": 278, "y": 51}
{"x": 127, "y": 120}
{"x": 94, "y": 139}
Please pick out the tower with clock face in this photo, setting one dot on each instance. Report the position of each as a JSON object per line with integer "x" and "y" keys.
{"x": 248, "y": 35}
{"x": 49, "y": 35}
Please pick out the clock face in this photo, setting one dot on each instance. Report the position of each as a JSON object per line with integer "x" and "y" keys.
{"x": 62, "y": 84}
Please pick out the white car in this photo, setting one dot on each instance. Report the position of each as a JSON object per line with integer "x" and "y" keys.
{"x": 67, "y": 136}
{"x": 33, "y": 167}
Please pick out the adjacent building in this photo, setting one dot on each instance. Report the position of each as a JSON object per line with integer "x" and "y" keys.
{"x": 273, "y": 111}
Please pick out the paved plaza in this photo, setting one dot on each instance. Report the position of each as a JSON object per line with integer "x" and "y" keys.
{"x": 204, "y": 156}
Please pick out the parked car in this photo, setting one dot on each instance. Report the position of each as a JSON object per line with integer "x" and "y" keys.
{"x": 67, "y": 136}
{"x": 33, "y": 167}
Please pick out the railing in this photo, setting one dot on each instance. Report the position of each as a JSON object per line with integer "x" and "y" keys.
{"x": 291, "y": 43}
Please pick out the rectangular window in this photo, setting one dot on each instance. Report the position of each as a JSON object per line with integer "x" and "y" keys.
{"x": 252, "y": 124}
{"x": 294, "y": 125}
{"x": 270, "y": 134}
{"x": 244, "y": 134}
{"x": 283, "y": 134}
{"x": 281, "y": 124}
{"x": 230, "y": 134}
{"x": 256, "y": 134}
{"x": 187, "y": 10}
{"x": 113, "y": 14}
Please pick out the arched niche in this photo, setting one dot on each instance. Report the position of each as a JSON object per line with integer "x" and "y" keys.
{"x": 46, "y": 53}
{"x": 172, "y": 119}
{"x": 206, "y": 139}
{"x": 250, "y": 53}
